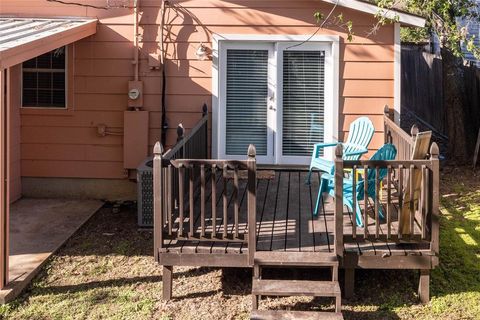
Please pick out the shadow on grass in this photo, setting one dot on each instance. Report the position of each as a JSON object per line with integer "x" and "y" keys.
{"x": 109, "y": 233}
{"x": 118, "y": 282}
{"x": 195, "y": 295}
{"x": 459, "y": 269}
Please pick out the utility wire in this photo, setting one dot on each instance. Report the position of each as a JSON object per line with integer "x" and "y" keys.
{"x": 318, "y": 29}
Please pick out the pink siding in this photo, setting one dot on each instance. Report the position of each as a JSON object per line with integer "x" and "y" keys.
{"x": 65, "y": 143}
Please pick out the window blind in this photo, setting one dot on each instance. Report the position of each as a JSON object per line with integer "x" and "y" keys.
{"x": 303, "y": 101}
{"x": 246, "y": 101}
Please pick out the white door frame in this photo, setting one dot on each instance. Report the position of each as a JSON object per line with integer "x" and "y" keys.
{"x": 329, "y": 132}
{"x": 218, "y": 85}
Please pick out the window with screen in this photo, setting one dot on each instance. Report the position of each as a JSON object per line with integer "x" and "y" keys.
{"x": 44, "y": 80}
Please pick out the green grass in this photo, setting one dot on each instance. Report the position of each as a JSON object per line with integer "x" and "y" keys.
{"x": 106, "y": 271}
{"x": 455, "y": 284}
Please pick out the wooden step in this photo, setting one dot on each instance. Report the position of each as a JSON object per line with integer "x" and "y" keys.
{"x": 296, "y": 288}
{"x": 300, "y": 259}
{"x": 291, "y": 315}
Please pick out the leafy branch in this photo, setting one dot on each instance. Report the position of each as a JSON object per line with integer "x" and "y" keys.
{"x": 443, "y": 18}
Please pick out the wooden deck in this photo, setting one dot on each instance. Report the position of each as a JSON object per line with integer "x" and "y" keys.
{"x": 285, "y": 222}
{"x": 233, "y": 213}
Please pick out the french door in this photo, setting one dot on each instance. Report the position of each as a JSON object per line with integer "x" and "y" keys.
{"x": 274, "y": 95}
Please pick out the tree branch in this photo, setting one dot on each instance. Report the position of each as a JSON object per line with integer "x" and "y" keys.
{"x": 318, "y": 29}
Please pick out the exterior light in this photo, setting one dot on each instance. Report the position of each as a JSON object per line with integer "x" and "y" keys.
{"x": 201, "y": 52}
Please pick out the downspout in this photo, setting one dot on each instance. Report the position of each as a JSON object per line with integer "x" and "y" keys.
{"x": 164, "y": 78}
{"x": 135, "y": 37}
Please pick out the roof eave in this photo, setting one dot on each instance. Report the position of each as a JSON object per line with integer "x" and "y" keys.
{"x": 25, "y": 51}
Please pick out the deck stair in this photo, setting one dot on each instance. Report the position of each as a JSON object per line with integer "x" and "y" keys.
{"x": 291, "y": 287}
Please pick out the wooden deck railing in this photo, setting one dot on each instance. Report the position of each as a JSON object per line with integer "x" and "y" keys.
{"x": 411, "y": 210}
{"x": 195, "y": 218}
{"x": 194, "y": 144}
{"x": 192, "y": 195}
{"x": 395, "y": 135}
{"x": 196, "y": 199}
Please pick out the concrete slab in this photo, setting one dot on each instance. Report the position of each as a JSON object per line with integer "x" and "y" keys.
{"x": 38, "y": 227}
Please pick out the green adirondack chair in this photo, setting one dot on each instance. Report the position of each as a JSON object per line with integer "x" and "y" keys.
{"x": 360, "y": 134}
{"x": 386, "y": 153}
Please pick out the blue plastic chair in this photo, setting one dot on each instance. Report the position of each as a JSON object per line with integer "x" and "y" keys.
{"x": 360, "y": 134}
{"x": 386, "y": 153}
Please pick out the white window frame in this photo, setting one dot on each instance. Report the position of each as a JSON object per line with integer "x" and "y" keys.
{"x": 66, "y": 72}
{"x": 332, "y": 71}
{"x": 397, "y": 77}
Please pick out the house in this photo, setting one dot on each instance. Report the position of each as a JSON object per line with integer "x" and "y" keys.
{"x": 61, "y": 141}
{"x": 87, "y": 106}
{"x": 473, "y": 31}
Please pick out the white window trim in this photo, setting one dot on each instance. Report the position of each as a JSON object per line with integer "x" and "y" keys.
{"x": 66, "y": 86}
{"x": 397, "y": 95}
{"x": 330, "y": 132}
{"x": 333, "y": 41}
{"x": 223, "y": 88}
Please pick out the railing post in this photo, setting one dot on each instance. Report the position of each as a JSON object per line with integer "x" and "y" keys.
{"x": 157, "y": 199}
{"x": 205, "y": 139}
{"x": 339, "y": 200}
{"x": 435, "y": 184}
{"x": 180, "y": 132}
{"x": 386, "y": 111}
{"x": 386, "y": 129}
{"x": 414, "y": 131}
{"x": 180, "y": 136}
{"x": 252, "y": 202}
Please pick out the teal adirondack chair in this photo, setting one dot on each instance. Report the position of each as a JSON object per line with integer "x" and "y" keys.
{"x": 386, "y": 153}
{"x": 359, "y": 137}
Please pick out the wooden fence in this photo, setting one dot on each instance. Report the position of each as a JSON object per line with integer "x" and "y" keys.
{"x": 422, "y": 87}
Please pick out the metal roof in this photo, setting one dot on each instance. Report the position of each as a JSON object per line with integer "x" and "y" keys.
{"x": 38, "y": 35}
